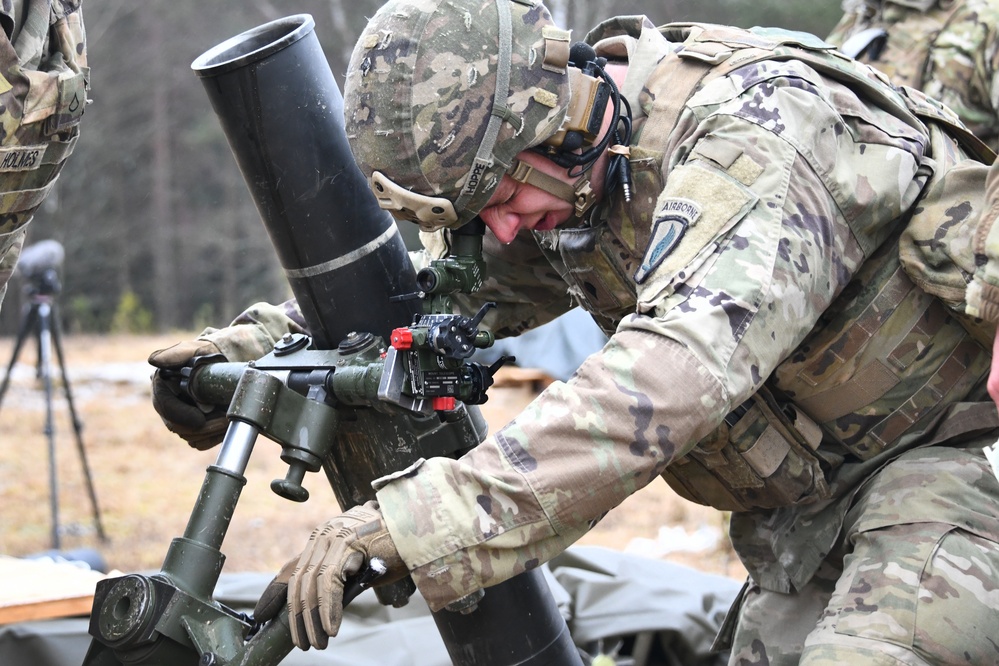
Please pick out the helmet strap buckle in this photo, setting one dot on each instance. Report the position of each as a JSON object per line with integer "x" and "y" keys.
{"x": 585, "y": 196}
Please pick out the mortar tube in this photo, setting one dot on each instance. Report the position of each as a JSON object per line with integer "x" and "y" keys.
{"x": 282, "y": 113}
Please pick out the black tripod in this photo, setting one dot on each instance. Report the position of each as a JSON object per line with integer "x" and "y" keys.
{"x": 39, "y": 319}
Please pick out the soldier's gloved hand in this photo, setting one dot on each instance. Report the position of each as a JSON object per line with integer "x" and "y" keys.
{"x": 336, "y": 552}
{"x": 203, "y": 427}
{"x": 275, "y": 595}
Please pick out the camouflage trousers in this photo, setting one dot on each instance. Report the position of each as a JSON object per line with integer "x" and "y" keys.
{"x": 903, "y": 593}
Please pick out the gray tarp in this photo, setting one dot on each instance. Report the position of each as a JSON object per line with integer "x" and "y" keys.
{"x": 667, "y": 613}
{"x": 557, "y": 348}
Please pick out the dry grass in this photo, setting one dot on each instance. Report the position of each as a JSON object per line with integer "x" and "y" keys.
{"x": 147, "y": 479}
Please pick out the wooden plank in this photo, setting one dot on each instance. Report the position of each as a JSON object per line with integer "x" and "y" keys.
{"x": 511, "y": 375}
{"x": 44, "y": 589}
{"x": 46, "y": 610}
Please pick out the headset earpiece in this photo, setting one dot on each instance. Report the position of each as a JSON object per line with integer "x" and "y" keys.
{"x": 578, "y": 144}
{"x": 585, "y": 115}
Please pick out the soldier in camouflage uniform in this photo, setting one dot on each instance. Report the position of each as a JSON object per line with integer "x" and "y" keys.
{"x": 769, "y": 353}
{"x": 949, "y": 49}
{"x": 44, "y": 81}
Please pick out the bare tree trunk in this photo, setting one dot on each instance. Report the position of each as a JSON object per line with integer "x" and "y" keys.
{"x": 560, "y": 12}
{"x": 342, "y": 27}
{"x": 160, "y": 218}
{"x": 586, "y": 15}
{"x": 121, "y": 236}
{"x": 580, "y": 16}
{"x": 229, "y": 251}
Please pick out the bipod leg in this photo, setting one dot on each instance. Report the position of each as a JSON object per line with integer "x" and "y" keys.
{"x": 45, "y": 370}
{"x": 77, "y": 424}
{"x": 28, "y": 322}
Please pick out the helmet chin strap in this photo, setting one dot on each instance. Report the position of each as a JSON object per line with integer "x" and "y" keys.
{"x": 580, "y": 194}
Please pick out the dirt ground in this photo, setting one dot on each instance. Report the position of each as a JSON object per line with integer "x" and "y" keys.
{"x": 146, "y": 479}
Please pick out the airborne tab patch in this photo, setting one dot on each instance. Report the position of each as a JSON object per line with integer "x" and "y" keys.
{"x": 675, "y": 217}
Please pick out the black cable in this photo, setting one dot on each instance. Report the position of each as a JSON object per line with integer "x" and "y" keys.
{"x": 584, "y": 161}
{"x": 619, "y": 165}
{"x": 618, "y": 172}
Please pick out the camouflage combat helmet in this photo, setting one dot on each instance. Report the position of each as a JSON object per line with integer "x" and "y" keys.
{"x": 422, "y": 113}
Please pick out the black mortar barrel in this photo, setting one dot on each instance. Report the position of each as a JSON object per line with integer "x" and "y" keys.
{"x": 282, "y": 113}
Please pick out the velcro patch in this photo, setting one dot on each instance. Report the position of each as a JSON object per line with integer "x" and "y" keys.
{"x": 720, "y": 202}
{"x": 675, "y": 217}
{"x": 545, "y": 98}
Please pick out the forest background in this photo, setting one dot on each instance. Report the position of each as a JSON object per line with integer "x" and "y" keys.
{"x": 158, "y": 226}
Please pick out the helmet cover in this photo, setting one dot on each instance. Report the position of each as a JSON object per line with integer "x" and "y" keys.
{"x": 420, "y": 103}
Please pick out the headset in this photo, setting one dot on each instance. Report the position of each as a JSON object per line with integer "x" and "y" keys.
{"x": 572, "y": 146}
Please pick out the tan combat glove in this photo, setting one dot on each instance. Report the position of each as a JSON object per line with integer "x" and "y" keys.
{"x": 314, "y": 581}
{"x": 251, "y": 335}
{"x": 203, "y": 427}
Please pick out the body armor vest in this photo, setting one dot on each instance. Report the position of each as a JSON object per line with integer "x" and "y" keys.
{"x": 44, "y": 81}
{"x": 884, "y": 355}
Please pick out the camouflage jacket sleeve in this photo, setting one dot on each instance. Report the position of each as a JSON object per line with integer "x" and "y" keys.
{"x": 982, "y": 295}
{"x": 847, "y": 24}
{"x": 10, "y": 250}
{"x": 253, "y": 333}
{"x": 948, "y": 50}
{"x": 963, "y": 68}
{"x": 779, "y": 210}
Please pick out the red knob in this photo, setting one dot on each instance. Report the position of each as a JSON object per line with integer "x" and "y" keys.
{"x": 443, "y": 403}
{"x": 402, "y": 338}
